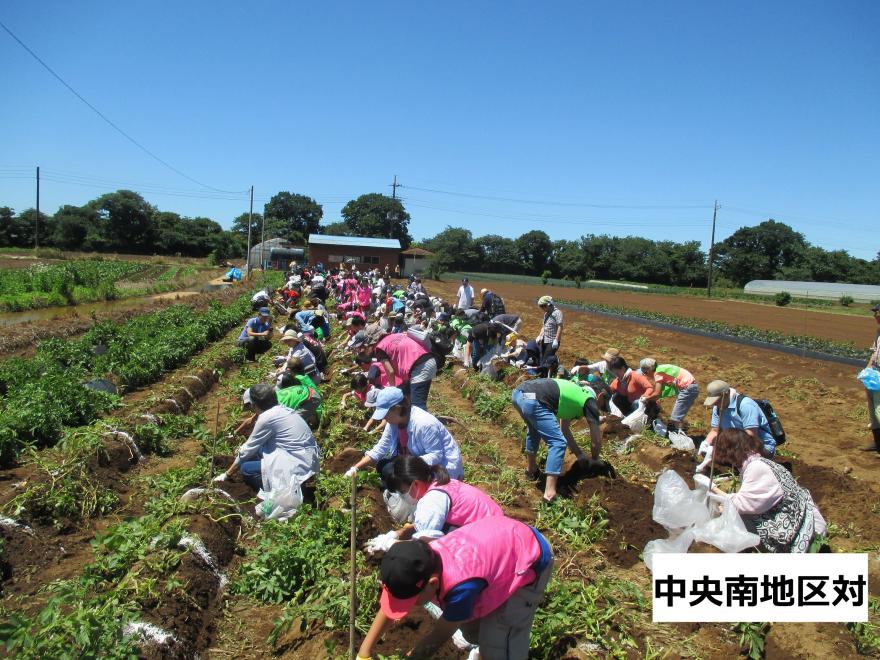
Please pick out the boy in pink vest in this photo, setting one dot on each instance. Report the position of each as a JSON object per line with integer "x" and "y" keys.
{"x": 488, "y": 577}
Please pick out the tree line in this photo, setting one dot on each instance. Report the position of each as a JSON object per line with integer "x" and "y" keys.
{"x": 770, "y": 250}
{"x": 123, "y": 221}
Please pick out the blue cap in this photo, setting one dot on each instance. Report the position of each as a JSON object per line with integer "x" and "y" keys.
{"x": 263, "y": 311}
{"x": 388, "y": 398}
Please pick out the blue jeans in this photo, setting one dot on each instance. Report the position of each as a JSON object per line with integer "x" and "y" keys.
{"x": 541, "y": 422}
{"x": 684, "y": 401}
{"x": 418, "y": 394}
{"x": 251, "y": 472}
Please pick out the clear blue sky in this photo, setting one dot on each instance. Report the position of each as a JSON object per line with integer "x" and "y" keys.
{"x": 623, "y": 116}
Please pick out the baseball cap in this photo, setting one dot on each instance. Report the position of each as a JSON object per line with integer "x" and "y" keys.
{"x": 443, "y": 316}
{"x": 263, "y": 311}
{"x": 246, "y": 397}
{"x": 387, "y": 399}
{"x": 404, "y": 571}
{"x": 372, "y": 395}
{"x": 544, "y": 300}
{"x": 358, "y": 340}
{"x": 610, "y": 354}
{"x": 715, "y": 390}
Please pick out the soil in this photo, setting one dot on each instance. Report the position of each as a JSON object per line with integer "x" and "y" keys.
{"x": 839, "y": 327}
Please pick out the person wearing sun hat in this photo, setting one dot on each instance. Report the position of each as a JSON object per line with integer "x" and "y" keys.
{"x": 732, "y": 410}
{"x": 410, "y": 430}
{"x": 254, "y": 337}
{"x": 551, "y": 329}
{"x": 584, "y": 368}
{"x": 488, "y": 577}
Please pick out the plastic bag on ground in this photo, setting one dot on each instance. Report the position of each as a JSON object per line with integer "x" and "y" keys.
{"x": 660, "y": 427}
{"x": 681, "y": 440}
{"x": 280, "y": 503}
{"x": 727, "y": 532}
{"x": 614, "y": 410}
{"x": 637, "y": 419}
{"x": 677, "y": 506}
{"x": 677, "y": 542}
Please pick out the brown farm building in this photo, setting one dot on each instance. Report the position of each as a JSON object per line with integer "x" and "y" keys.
{"x": 361, "y": 250}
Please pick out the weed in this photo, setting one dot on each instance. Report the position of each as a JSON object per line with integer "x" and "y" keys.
{"x": 577, "y": 527}
{"x": 752, "y": 637}
{"x": 867, "y": 635}
{"x": 641, "y": 341}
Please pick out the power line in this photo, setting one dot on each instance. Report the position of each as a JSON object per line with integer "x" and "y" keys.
{"x": 557, "y": 203}
{"x": 109, "y": 121}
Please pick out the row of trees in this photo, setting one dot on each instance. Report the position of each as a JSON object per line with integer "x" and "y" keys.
{"x": 123, "y": 221}
{"x": 771, "y": 250}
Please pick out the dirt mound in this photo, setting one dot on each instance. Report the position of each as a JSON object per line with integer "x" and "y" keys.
{"x": 342, "y": 460}
{"x": 24, "y": 552}
{"x": 665, "y": 458}
{"x": 630, "y": 525}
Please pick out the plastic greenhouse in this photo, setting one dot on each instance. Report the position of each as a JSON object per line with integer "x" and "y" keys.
{"x": 824, "y": 290}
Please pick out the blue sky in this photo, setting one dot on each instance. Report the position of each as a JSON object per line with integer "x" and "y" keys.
{"x": 571, "y": 117}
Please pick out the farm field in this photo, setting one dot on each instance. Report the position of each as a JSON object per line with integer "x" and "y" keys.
{"x": 110, "y": 545}
{"x": 837, "y": 327}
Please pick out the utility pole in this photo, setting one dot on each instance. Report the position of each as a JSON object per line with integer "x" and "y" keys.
{"x": 37, "y": 220}
{"x": 263, "y": 242}
{"x": 712, "y": 250}
{"x": 247, "y": 274}
{"x": 394, "y": 188}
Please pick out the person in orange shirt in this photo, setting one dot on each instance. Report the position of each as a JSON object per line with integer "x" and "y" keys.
{"x": 629, "y": 386}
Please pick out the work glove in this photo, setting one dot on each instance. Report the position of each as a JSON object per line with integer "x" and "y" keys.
{"x": 704, "y": 448}
{"x": 603, "y": 468}
{"x": 555, "y": 344}
{"x": 381, "y": 543}
{"x": 709, "y": 451}
{"x": 351, "y": 472}
{"x": 717, "y": 497}
{"x": 221, "y": 477}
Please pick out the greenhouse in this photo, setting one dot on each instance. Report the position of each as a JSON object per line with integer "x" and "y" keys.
{"x": 824, "y": 290}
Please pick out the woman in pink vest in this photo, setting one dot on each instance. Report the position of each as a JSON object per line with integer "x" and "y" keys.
{"x": 405, "y": 360}
{"x": 488, "y": 577}
{"x": 441, "y": 504}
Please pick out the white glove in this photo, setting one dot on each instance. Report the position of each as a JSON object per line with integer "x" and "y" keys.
{"x": 381, "y": 543}
{"x": 555, "y": 344}
{"x": 221, "y": 477}
{"x": 704, "y": 448}
{"x": 350, "y": 472}
{"x": 717, "y": 497}
{"x": 709, "y": 450}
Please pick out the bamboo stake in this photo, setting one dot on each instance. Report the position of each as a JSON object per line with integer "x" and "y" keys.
{"x": 214, "y": 445}
{"x": 352, "y": 616}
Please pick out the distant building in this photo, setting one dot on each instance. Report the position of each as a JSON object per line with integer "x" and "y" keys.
{"x": 364, "y": 252}
{"x": 414, "y": 261}
{"x": 275, "y": 254}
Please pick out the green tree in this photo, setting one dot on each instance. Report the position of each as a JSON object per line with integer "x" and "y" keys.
{"x": 297, "y": 216}
{"x": 126, "y": 220}
{"x": 499, "y": 254}
{"x": 454, "y": 249}
{"x": 72, "y": 226}
{"x": 336, "y": 229}
{"x": 534, "y": 249}
{"x": 761, "y": 252}
{"x": 240, "y": 225}
{"x": 378, "y": 216}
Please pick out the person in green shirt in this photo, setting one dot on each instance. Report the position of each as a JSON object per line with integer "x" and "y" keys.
{"x": 299, "y": 393}
{"x": 548, "y": 406}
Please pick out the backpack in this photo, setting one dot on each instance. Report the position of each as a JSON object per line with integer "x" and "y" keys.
{"x": 775, "y": 423}
{"x": 496, "y": 307}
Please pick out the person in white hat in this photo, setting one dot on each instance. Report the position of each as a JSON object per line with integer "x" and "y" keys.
{"x": 551, "y": 329}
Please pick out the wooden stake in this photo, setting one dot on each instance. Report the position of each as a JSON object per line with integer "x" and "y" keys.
{"x": 214, "y": 444}
{"x": 353, "y": 595}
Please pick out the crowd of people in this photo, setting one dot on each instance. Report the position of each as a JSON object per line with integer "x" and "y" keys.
{"x": 454, "y": 546}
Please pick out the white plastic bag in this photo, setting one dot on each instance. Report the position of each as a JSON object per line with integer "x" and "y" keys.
{"x": 677, "y": 506}
{"x": 280, "y": 503}
{"x": 637, "y": 419}
{"x": 660, "y": 427}
{"x": 614, "y": 409}
{"x": 681, "y": 440}
{"x": 399, "y": 508}
{"x": 727, "y": 532}
{"x": 677, "y": 542}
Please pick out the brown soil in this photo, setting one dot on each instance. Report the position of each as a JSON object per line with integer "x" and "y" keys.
{"x": 839, "y": 327}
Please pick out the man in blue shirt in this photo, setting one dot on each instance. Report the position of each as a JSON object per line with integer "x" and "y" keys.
{"x": 732, "y": 410}
{"x": 254, "y": 337}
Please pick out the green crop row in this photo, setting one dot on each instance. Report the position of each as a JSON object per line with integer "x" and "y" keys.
{"x": 45, "y": 393}
{"x": 805, "y": 342}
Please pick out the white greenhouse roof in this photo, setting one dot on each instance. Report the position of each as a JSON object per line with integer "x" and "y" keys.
{"x": 826, "y": 290}
{"x": 355, "y": 241}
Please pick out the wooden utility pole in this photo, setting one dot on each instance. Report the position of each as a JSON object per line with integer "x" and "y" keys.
{"x": 37, "y": 220}
{"x": 263, "y": 241}
{"x": 247, "y": 274}
{"x": 712, "y": 251}
{"x": 394, "y": 188}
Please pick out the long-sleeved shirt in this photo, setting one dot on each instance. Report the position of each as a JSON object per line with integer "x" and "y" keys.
{"x": 761, "y": 491}
{"x": 281, "y": 429}
{"x": 426, "y": 437}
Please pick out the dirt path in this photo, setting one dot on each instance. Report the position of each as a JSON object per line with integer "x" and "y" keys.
{"x": 839, "y": 327}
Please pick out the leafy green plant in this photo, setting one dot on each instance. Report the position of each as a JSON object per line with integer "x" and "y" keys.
{"x": 579, "y": 527}
{"x": 867, "y": 635}
{"x": 782, "y": 298}
{"x": 846, "y": 300}
{"x": 752, "y": 637}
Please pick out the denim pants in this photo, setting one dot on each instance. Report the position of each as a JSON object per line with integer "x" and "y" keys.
{"x": 252, "y": 473}
{"x": 541, "y": 422}
{"x": 684, "y": 401}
